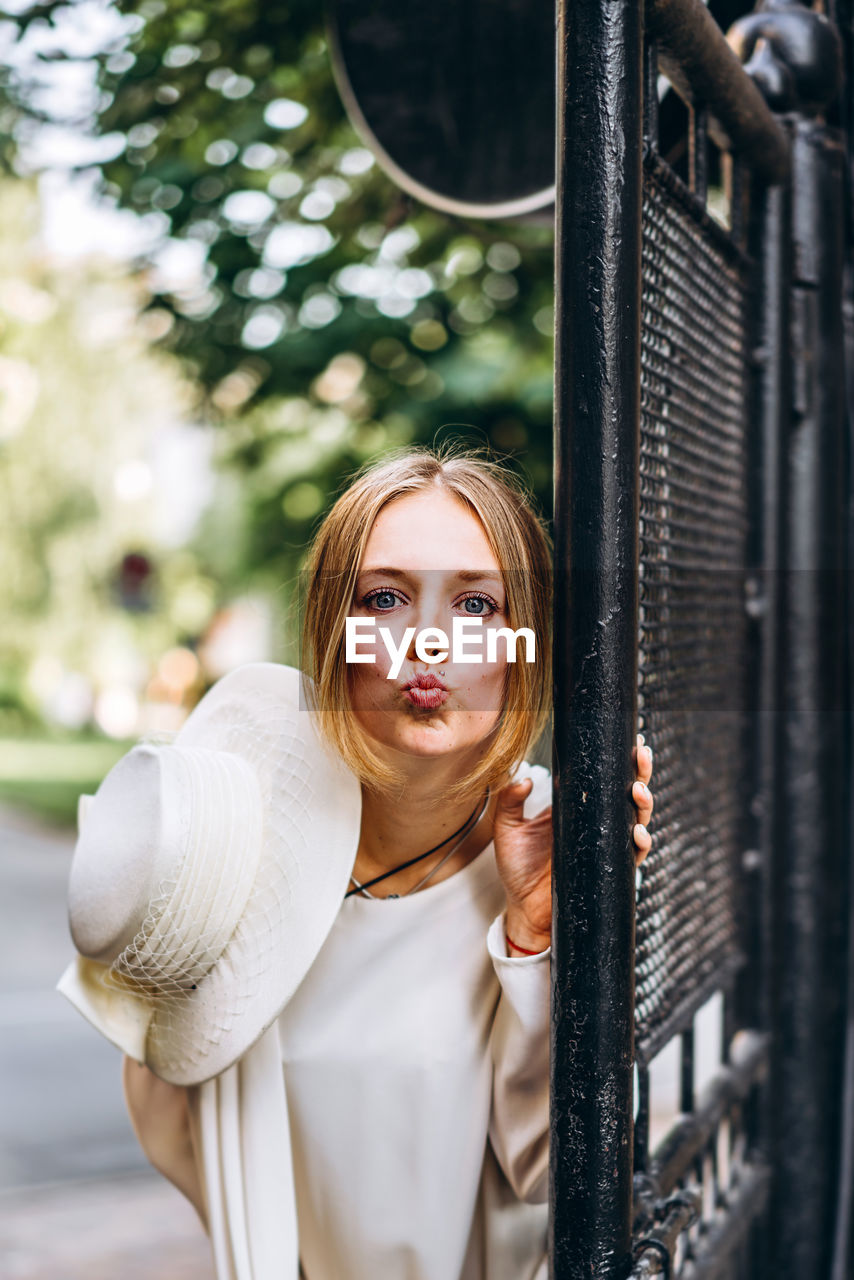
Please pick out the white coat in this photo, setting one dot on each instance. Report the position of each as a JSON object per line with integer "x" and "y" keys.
{"x": 416, "y": 1111}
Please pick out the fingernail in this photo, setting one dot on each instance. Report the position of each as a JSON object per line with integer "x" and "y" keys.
{"x": 641, "y": 739}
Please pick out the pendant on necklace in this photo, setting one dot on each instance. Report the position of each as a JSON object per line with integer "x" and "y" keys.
{"x": 393, "y": 895}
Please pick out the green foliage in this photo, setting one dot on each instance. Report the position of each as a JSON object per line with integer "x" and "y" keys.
{"x": 48, "y": 773}
{"x": 82, "y": 397}
{"x": 333, "y": 317}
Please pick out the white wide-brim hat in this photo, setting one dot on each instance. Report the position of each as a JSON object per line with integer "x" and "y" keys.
{"x": 207, "y": 875}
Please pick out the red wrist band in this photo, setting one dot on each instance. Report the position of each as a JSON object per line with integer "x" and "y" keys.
{"x": 524, "y": 950}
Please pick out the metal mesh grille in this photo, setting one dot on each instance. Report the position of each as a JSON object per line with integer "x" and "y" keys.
{"x": 693, "y": 522}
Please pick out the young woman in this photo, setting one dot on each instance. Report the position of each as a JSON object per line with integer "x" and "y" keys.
{"x": 416, "y": 1048}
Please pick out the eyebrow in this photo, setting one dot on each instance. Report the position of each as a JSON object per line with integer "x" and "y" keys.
{"x": 463, "y": 575}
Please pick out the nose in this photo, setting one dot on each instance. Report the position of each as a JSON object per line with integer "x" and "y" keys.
{"x": 430, "y": 648}
{"x": 427, "y": 614}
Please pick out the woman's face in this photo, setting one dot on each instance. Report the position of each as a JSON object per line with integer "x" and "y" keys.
{"x": 427, "y": 561}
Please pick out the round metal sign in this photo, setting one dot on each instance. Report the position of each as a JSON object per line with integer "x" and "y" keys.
{"x": 456, "y": 98}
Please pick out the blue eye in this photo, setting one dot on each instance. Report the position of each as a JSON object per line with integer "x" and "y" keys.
{"x": 378, "y": 597}
{"x": 489, "y": 607}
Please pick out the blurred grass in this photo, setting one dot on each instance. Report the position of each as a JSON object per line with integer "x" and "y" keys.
{"x": 45, "y": 775}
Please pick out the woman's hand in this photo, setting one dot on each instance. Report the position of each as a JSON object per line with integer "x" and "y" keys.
{"x": 160, "y": 1117}
{"x": 642, "y": 797}
{"x": 523, "y": 854}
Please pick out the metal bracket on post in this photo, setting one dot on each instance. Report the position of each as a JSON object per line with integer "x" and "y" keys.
{"x": 654, "y": 1252}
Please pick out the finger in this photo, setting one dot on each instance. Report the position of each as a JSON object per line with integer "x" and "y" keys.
{"x": 511, "y": 799}
{"x": 644, "y": 801}
{"x": 644, "y": 763}
{"x": 643, "y": 841}
{"x": 544, "y": 813}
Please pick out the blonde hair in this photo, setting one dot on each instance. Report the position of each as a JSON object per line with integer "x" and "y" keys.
{"x": 521, "y": 545}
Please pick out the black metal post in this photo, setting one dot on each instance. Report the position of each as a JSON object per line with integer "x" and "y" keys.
{"x": 770, "y": 241}
{"x": 843, "y": 1253}
{"x": 597, "y": 393}
{"x": 810, "y": 1009}
{"x": 798, "y": 65}
{"x": 842, "y": 12}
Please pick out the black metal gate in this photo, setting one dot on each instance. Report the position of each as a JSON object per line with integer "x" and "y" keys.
{"x": 701, "y": 490}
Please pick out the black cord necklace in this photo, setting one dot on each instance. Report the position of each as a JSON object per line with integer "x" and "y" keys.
{"x": 473, "y": 819}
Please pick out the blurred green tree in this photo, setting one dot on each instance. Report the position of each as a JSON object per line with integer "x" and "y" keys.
{"x": 331, "y": 317}
{"x": 84, "y": 406}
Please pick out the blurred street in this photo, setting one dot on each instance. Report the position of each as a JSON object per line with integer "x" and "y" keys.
{"x": 77, "y": 1197}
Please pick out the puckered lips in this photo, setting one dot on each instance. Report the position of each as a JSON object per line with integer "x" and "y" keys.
{"x": 425, "y": 690}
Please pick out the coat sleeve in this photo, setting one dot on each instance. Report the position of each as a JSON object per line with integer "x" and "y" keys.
{"x": 164, "y": 1119}
{"x": 519, "y": 1045}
